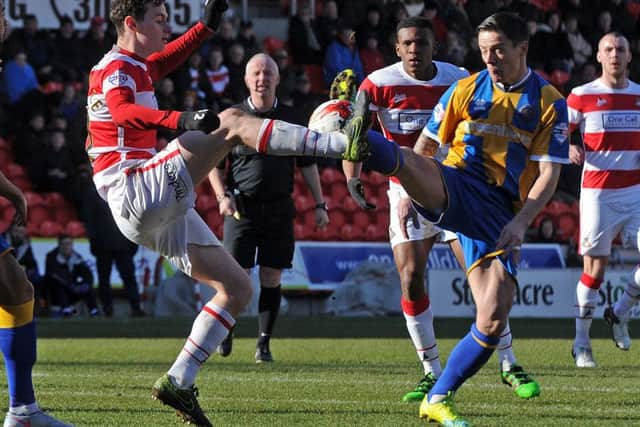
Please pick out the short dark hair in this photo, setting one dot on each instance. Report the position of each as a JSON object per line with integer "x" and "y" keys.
{"x": 507, "y": 23}
{"x": 120, "y": 9}
{"x": 415, "y": 22}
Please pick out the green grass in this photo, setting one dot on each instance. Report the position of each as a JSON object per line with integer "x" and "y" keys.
{"x": 87, "y": 376}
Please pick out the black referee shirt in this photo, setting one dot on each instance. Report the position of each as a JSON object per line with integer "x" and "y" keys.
{"x": 263, "y": 177}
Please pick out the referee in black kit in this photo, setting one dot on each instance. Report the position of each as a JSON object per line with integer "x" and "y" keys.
{"x": 255, "y": 199}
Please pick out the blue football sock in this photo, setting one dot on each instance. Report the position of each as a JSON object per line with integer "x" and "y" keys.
{"x": 18, "y": 346}
{"x": 385, "y": 157}
{"x": 465, "y": 359}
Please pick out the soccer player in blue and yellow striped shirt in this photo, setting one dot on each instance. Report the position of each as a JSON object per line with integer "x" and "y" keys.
{"x": 506, "y": 129}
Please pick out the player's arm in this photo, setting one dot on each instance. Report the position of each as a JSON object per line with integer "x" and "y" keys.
{"x": 126, "y": 113}
{"x": 16, "y": 197}
{"x": 312, "y": 180}
{"x": 574, "y": 110}
{"x": 425, "y": 146}
{"x": 226, "y": 202}
{"x": 175, "y": 53}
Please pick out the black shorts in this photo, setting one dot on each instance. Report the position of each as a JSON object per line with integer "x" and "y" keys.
{"x": 265, "y": 228}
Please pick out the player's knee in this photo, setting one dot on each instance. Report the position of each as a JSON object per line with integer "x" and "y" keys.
{"x": 241, "y": 292}
{"x": 491, "y": 327}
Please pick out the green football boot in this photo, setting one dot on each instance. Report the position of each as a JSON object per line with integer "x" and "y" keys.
{"x": 184, "y": 401}
{"x": 519, "y": 380}
{"x": 421, "y": 390}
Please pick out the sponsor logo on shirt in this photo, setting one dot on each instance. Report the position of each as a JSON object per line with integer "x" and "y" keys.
{"x": 527, "y": 112}
{"x": 600, "y": 102}
{"x": 621, "y": 120}
{"x": 399, "y": 97}
{"x": 118, "y": 79}
{"x": 438, "y": 113}
{"x": 412, "y": 121}
{"x": 478, "y": 106}
{"x": 175, "y": 181}
{"x": 561, "y": 132}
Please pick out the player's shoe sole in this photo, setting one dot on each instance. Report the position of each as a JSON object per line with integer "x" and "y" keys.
{"x": 356, "y": 130}
{"x": 184, "y": 401}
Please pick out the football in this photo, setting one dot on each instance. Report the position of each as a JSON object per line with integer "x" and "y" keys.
{"x": 330, "y": 116}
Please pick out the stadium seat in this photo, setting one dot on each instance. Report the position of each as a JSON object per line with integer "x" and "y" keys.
{"x": 8, "y": 213}
{"x": 559, "y": 78}
{"x": 39, "y": 214}
{"x": 316, "y": 77}
{"x": 64, "y": 214}
{"x": 375, "y": 233}
{"x": 271, "y": 44}
{"x": 350, "y": 233}
{"x": 339, "y": 191}
{"x": 50, "y": 229}
{"x": 337, "y": 218}
{"x": 325, "y": 234}
{"x": 329, "y": 176}
{"x": 382, "y": 218}
{"x": 15, "y": 170}
{"x": 34, "y": 199}
{"x": 6, "y": 158}
{"x": 53, "y": 199}
{"x": 75, "y": 229}
{"x": 22, "y": 182}
{"x": 301, "y": 232}
{"x": 361, "y": 219}
{"x": 567, "y": 224}
{"x": 205, "y": 203}
{"x": 304, "y": 204}
{"x": 348, "y": 205}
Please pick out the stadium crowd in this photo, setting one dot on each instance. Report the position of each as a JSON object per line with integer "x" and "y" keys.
{"x": 45, "y": 73}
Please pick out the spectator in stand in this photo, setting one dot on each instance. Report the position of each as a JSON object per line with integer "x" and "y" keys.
{"x": 558, "y": 52}
{"x": 96, "y": 42}
{"x": 371, "y": 57}
{"x": 603, "y": 26}
{"x": 67, "y": 52}
{"x": 70, "y": 105}
{"x": 326, "y": 24}
{"x": 473, "y": 59}
{"x": 454, "y": 50}
{"x": 166, "y": 94}
{"x": 582, "y": 50}
{"x": 247, "y": 37}
{"x": 478, "y": 10}
{"x": 29, "y": 138}
{"x": 431, "y": 13}
{"x": 34, "y": 42}
{"x": 19, "y": 77}
{"x": 217, "y": 75}
{"x": 198, "y": 82}
{"x": 108, "y": 245}
{"x": 225, "y": 37}
{"x": 342, "y": 54}
{"x": 373, "y": 24}
{"x": 535, "y": 53}
{"x": 394, "y": 11}
{"x": 69, "y": 278}
{"x": 303, "y": 41}
{"x": 17, "y": 237}
{"x": 634, "y": 66}
{"x": 303, "y": 100}
{"x": 53, "y": 168}
{"x": 287, "y": 76}
{"x": 623, "y": 21}
{"x": 237, "y": 59}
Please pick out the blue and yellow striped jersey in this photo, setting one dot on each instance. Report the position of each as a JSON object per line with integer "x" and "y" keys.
{"x": 497, "y": 135}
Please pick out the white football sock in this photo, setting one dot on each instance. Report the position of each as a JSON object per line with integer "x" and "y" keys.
{"x": 586, "y": 305}
{"x": 285, "y": 139}
{"x": 209, "y": 329}
{"x": 25, "y": 409}
{"x": 420, "y": 327}
{"x": 629, "y": 297}
{"x": 506, "y": 357}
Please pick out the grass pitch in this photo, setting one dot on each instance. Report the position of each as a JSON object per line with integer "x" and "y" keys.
{"x": 328, "y": 372}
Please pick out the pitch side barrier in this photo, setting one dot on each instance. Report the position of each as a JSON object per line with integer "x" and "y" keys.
{"x": 546, "y": 287}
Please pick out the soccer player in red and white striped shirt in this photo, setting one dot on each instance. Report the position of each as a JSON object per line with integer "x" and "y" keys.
{"x": 151, "y": 195}
{"x": 607, "y": 112}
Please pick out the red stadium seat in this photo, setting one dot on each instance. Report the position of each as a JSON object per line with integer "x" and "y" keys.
{"x": 337, "y": 218}
{"x": 8, "y": 213}
{"x": 382, "y": 218}
{"x": 34, "y": 199}
{"x": 75, "y": 229}
{"x": 205, "y": 203}
{"x": 339, "y": 191}
{"x": 50, "y": 229}
{"x": 350, "y": 233}
{"x": 325, "y": 234}
{"x": 304, "y": 204}
{"x": 22, "y": 182}
{"x": 375, "y": 233}
{"x": 329, "y": 176}
{"x": 301, "y": 232}
{"x": 271, "y": 44}
{"x": 38, "y": 214}
{"x": 54, "y": 200}
{"x": 567, "y": 224}
{"x": 64, "y": 214}
{"x": 14, "y": 171}
{"x": 349, "y": 206}
{"x": 316, "y": 77}
{"x": 361, "y": 219}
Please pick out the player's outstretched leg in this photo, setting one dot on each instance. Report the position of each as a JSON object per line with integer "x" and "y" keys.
{"x": 511, "y": 373}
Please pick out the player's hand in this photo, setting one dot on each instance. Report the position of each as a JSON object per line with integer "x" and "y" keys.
{"x": 576, "y": 154}
{"x": 511, "y": 238}
{"x": 407, "y": 213}
{"x": 203, "y": 120}
{"x": 322, "y": 218}
{"x": 356, "y": 190}
{"x": 213, "y": 11}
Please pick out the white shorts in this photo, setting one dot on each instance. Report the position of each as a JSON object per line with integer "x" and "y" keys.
{"x": 421, "y": 230}
{"x": 153, "y": 205}
{"x": 602, "y": 218}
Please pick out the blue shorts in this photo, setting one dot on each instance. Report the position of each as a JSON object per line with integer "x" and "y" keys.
{"x": 477, "y": 212}
{"x": 4, "y": 246}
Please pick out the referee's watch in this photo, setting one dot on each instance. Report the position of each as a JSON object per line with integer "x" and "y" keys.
{"x": 322, "y": 205}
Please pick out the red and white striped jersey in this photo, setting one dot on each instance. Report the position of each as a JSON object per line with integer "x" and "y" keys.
{"x": 609, "y": 120}
{"x": 123, "y": 115}
{"x": 219, "y": 79}
{"x": 403, "y": 104}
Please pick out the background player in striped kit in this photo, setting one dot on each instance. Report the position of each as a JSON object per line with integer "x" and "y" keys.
{"x": 607, "y": 112}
